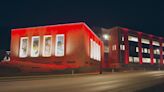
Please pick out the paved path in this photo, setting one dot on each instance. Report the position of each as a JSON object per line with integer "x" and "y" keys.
{"x": 116, "y": 82}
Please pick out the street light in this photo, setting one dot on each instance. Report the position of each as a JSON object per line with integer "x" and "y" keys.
{"x": 106, "y": 36}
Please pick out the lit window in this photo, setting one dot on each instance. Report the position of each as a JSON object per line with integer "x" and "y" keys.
{"x": 35, "y": 45}
{"x": 162, "y": 44}
{"x": 122, "y": 47}
{"x": 106, "y": 49}
{"x": 149, "y": 51}
{"x": 156, "y": 43}
{"x": 130, "y": 59}
{"x": 114, "y": 47}
{"x": 47, "y": 45}
{"x": 23, "y": 50}
{"x": 158, "y": 52}
{"x": 136, "y": 59}
{"x": 91, "y": 48}
{"x": 142, "y": 50}
{"x": 98, "y": 52}
{"x": 137, "y": 49}
{"x": 99, "y": 49}
{"x": 145, "y": 50}
{"x": 133, "y": 59}
{"x": 145, "y": 41}
{"x": 154, "y": 60}
{"x": 132, "y": 38}
{"x": 146, "y": 60}
{"x": 155, "y": 52}
{"x": 59, "y": 48}
{"x": 94, "y": 50}
{"x": 122, "y": 38}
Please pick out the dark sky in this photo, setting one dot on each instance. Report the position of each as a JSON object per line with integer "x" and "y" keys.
{"x": 142, "y": 15}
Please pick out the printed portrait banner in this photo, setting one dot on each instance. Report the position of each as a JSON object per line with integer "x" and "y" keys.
{"x": 47, "y": 45}
{"x": 23, "y": 50}
{"x": 59, "y": 49}
{"x": 35, "y": 45}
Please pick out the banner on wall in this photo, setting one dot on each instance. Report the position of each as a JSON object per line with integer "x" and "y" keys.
{"x": 47, "y": 45}
{"x": 59, "y": 51}
{"x": 35, "y": 45}
{"x": 23, "y": 52}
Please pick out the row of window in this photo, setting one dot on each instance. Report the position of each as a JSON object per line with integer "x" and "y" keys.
{"x": 145, "y": 41}
{"x": 47, "y": 46}
{"x": 146, "y": 50}
{"x": 95, "y": 50}
{"x": 144, "y": 60}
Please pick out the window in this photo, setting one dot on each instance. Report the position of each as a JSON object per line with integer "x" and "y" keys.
{"x": 157, "y": 51}
{"x": 149, "y": 51}
{"x": 136, "y": 59}
{"x": 59, "y": 48}
{"x": 145, "y": 50}
{"x": 35, "y": 45}
{"x": 146, "y": 60}
{"x": 122, "y": 47}
{"x": 142, "y": 50}
{"x": 156, "y": 43}
{"x": 162, "y": 44}
{"x": 130, "y": 59}
{"x": 114, "y": 47}
{"x": 137, "y": 49}
{"x": 106, "y": 49}
{"x": 154, "y": 60}
{"x": 122, "y": 38}
{"x": 23, "y": 50}
{"x": 145, "y": 41}
{"x": 95, "y": 50}
{"x": 133, "y": 59}
{"x": 132, "y": 38}
{"x": 91, "y": 48}
{"x": 47, "y": 45}
{"x": 99, "y": 51}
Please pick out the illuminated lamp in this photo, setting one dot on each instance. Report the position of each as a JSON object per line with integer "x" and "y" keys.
{"x": 106, "y": 36}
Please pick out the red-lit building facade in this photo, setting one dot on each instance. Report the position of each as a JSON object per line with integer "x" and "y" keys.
{"x": 126, "y": 48}
{"x": 57, "y": 47}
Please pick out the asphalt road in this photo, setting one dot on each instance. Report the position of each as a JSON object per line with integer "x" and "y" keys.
{"x": 108, "y": 82}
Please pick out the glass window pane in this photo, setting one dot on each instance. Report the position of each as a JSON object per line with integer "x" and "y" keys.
{"x": 132, "y": 38}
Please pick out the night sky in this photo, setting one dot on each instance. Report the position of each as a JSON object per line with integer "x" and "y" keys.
{"x": 142, "y": 15}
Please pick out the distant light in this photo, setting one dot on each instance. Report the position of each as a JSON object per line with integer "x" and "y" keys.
{"x": 106, "y": 36}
